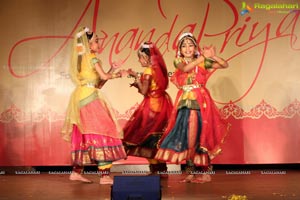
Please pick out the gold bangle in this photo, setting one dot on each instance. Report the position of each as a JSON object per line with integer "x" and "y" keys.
{"x": 115, "y": 75}
{"x": 222, "y": 63}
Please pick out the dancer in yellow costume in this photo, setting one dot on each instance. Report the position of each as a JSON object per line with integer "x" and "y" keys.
{"x": 90, "y": 124}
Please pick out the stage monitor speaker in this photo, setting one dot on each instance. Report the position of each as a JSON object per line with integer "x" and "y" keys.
{"x": 136, "y": 188}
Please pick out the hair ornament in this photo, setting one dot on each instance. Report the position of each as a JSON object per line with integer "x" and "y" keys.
{"x": 184, "y": 35}
{"x": 81, "y": 33}
{"x": 147, "y": 46}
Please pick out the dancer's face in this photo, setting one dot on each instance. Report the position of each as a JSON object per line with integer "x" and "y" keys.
{"x": 94, "y": 44}
{"x": 187, "y": 48}
{"x": 144, "y": 60}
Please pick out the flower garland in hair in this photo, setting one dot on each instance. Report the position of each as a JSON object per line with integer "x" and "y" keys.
{"x": 80, "y": 48}
{"x": 147, "y": 46}
{"x": 81, "y": 33}
{"x": 184, "y": 35}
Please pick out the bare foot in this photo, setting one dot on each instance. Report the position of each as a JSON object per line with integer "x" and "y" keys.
{"x": 78, "y": 177}
{"x": 188, "y": 179}
{"x": 106, "y": 180}
{"x": 203, "y": 179}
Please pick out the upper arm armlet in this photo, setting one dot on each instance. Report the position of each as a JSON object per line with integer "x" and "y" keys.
{"x": 176, "y": 62}
{"x": 95, "y": 60}
{"x": 208, "y": 63}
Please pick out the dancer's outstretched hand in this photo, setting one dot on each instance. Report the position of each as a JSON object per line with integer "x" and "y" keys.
{"x": 132, "y": 73}
{"x": 117, "y": 64}
{"x": 209, "y": 51}
{"x": 123, "y": 72}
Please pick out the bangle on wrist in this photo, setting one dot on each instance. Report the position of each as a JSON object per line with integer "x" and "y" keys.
{"x": 137, "y": 77}
{"x": 136, "y": 80}
{"x": 222, "y": 62}
{"x": 115, "y": 75}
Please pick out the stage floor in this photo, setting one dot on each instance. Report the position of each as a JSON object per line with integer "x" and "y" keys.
{"x": 254, "y": 184}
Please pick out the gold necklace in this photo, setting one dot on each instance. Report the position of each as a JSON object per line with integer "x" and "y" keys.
{"x": 188, "y": 60}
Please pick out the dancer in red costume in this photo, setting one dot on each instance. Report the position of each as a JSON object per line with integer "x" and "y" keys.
{"x": 146, "y": 125}
{"x": 195, "y": 130}
{"x": 90, "y": 123}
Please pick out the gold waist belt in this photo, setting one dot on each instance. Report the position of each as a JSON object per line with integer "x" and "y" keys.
{"x": 190, "y": 87}
{"x": 90, "y": 85}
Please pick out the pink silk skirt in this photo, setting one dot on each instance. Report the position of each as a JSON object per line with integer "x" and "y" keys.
{"x": 94, "y": 148}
